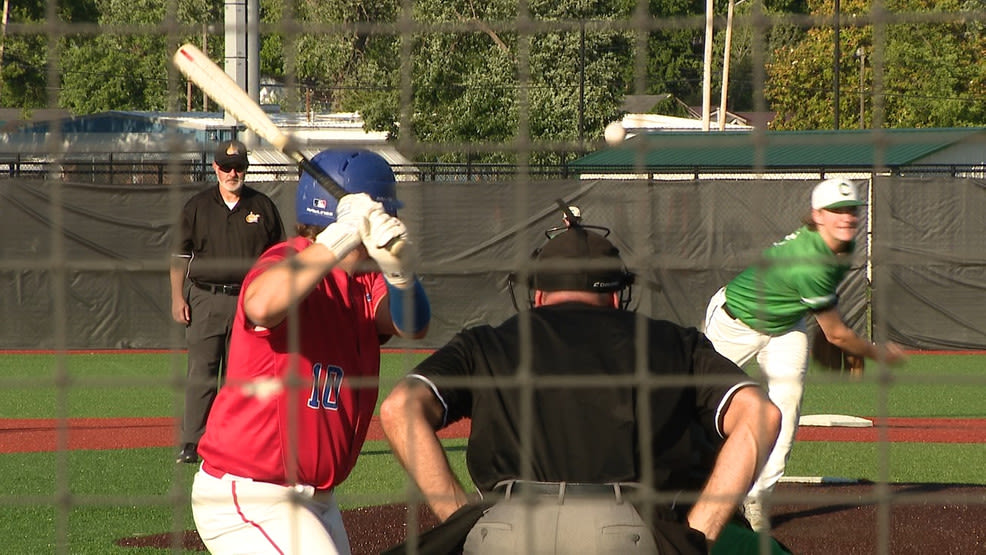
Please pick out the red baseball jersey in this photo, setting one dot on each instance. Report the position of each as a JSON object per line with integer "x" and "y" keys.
{"x": 299, "y": 412}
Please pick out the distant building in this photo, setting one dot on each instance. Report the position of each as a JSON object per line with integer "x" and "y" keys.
{"x": 759, "y": 120}
{"x": 162, "y": 136}
{"x": 671, "y": 152}
{"x": 635, "y": 124}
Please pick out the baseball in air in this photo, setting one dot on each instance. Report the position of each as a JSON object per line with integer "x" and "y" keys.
{"x": 615, "y": 133}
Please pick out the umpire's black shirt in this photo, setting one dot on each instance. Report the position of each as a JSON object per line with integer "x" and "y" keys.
{"x": 224, "y": 243}
{"x": 584, "y": 425}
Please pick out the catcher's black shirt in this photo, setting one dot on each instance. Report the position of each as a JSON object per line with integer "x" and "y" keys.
{"x": 224, "y": 243}
{"x": 579, "y": 413}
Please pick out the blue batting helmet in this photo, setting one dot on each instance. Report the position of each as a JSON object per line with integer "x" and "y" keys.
{"x": 356, "y": 171}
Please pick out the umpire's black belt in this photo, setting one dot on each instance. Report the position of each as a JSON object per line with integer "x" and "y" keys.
{"x": 563, "y": 489}
{"x": 219, "y": 288}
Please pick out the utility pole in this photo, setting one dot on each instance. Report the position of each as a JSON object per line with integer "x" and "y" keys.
{"x": 725, "y": 63}
{"x": 707, "y": 73}
{"x": 835, "y": 68}
{"x": 3, "y": 38}
{"x": 861, "y": 54}
{"x": 582, "y": 79}
{"x": 205, "y": 48}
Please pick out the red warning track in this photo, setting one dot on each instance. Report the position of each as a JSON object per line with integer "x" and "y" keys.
{"x": 38, "y": 435}
{"x": 48, "y": 434}
{"x": 903, "y": 430}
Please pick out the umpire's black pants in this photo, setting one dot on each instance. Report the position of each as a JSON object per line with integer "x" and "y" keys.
{"x": 207, "y": 335}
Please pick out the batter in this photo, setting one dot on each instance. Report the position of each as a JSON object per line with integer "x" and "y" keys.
{"x": 289, "y": 422}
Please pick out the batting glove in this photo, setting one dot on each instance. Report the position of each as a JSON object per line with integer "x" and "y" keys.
{"x": 344, "y": 234}
{"x": 385, "y": 235}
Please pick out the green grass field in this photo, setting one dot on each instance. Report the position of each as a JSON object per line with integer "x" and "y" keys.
{"x": 83, "y": 501}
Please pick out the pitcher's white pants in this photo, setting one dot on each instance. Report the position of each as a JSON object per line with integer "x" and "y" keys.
{"x": 237, "y": 515}
{"x": 783, "y": 361}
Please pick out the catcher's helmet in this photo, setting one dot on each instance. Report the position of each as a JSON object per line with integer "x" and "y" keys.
{"x": 356, "y": 171}
{"x": 579, "y": 259}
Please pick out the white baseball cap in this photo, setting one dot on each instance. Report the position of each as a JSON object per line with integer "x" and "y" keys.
{"x": 835, "y": 193}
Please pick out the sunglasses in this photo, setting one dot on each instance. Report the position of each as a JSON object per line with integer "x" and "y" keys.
{"x": 241, "y": 168}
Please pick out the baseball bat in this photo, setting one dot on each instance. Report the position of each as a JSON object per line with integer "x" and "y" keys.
{"x": 219, "y": 86}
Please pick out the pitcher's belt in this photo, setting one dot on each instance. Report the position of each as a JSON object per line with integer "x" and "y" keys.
{"x": 725, "y": 308}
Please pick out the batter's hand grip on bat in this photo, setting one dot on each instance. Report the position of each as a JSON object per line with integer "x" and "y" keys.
{"x": 396, "y": 246}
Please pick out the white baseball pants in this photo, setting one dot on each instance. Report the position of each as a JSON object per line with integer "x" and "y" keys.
{"x": 239, "y": 516}
{"x": 783, "y": 361}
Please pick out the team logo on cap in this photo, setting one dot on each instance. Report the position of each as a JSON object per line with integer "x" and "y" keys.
{"x": 845, "y": 189}
{"x": 231, "y": 150}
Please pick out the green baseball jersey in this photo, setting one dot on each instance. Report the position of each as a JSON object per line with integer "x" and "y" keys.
{"x": 797, "y": 274}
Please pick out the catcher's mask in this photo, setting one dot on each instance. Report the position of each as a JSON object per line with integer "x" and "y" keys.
{"x": 577, "y": 259}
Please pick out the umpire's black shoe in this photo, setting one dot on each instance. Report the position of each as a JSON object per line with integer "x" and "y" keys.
{"x": 188, "y": 454}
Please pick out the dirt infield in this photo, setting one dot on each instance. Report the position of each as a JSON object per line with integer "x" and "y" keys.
{"x": 912, "y": 519}
{"x": 823, "y": 519}
{"x": 915, "y": 519}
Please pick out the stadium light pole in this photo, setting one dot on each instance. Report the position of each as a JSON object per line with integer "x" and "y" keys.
{"x": 253, "y": 61}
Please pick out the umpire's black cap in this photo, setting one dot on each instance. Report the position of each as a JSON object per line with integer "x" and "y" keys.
{"x": 579, "y": 260}
{"x": 232, "y": 154}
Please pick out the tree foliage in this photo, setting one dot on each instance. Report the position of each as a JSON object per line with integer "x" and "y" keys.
{"x": 127, "y": 69}
{"x": 25, "y": 53}
{"x": 464, "y": 79}
{"x": 930, "y": 74}
{"x": 481, "y": 81}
